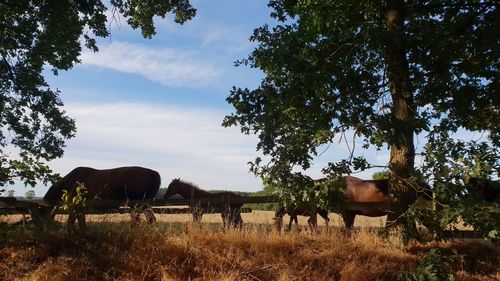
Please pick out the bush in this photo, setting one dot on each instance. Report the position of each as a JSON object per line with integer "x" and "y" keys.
{"x": 432, "y": 268}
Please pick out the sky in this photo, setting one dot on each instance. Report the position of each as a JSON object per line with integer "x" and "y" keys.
{"x": 159, "y": 103}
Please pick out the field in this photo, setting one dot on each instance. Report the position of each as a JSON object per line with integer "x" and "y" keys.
{"x": 175, "y": 249}
{"x": 255, "y": 217}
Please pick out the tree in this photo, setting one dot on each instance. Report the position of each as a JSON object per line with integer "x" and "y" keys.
{"x": 30, "y": 194}
{"x": 37, "y": 35}
{"x": 10, "y": 192}
{"x": 386, "y": 70}
{"x": 381, "y": 175}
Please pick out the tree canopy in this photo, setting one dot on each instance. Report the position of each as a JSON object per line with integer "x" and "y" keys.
{"x": 40, "y": 35}
{"x": 386, "y": 70}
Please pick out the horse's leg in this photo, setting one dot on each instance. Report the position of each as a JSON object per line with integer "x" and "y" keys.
{"x": 313, "y": 220}
{"x": 278, "y": 220}
{"x": 223, "y": 216}
{"x": 236, "y": 220}
{"x": 324, "y": 215}
{"x": 292, "y": 218}
{"x": 135, "y": 215}
{"x": 227, "y": 216}
{"x": 348, "y": 217}
{"x": 327, "y": 221}
{"x": 37, "y": 217}
{"x": 197, "y": 216}
{"x": 80, "y": 216}
{"x": 239, "y": 220}
{"x": 71, "y": 221}
{"x": 313, "y": 224}
{"x": 149, "y": 214}
{"x": 230, "y": 218}
{"x": 310, "y": 223}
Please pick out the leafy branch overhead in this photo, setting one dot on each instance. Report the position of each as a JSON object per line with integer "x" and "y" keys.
{"x": 39, "y": 35}
{"x": 329, "y": 68}
{"x": 383, "y": 71}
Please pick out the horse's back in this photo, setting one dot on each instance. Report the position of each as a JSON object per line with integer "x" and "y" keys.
{"x": 68, "y": 182}
{"x": 358, "y": 190}
{"x": 119, "y": 183}
{"x": 367, "y": 191}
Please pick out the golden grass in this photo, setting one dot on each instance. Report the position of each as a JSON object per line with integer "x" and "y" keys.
{"x": 175, "y": 249}
{"x": 255, "y": 217}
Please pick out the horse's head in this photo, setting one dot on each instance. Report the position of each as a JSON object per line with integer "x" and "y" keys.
{"x": 173, "y": 188}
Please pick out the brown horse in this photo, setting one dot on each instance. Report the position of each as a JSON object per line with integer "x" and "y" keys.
{"x": 365, "y": 191}
{"x": 124, "y": 183}
{"x": 377, "y": 191}
{"x": 299, "y": 210}
{"x": 231, "y": 213}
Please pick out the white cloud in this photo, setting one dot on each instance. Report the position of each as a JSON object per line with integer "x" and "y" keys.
{"x": 382, "y": 158}
{"x": 168, "y": 66}
{"x": 211, "y": 34}
{"x": 177, "y": 142}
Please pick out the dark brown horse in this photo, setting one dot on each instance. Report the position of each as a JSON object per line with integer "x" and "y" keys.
{"x": 377, "y": 191}
{"x": 365, "y": 191}
{"x": 124, "y": 183}
{"x": 231, "y": 213}
{"x": 299, "y": 210}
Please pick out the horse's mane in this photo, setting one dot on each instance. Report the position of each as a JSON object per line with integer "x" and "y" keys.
{"x": 203, "y": 192}
{"x": 190, "y": 184}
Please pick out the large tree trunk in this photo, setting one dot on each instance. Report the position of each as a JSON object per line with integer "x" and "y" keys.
{"x": 403, "y": 108}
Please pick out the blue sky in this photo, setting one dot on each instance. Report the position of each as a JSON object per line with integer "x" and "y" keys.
{"x": 160, "y": 103}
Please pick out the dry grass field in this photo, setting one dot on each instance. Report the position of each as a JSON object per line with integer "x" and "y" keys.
{"x": 175, "y": 249}
{"x": 255, "y": 217}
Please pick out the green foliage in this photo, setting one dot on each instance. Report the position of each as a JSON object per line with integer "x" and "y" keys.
{"x": 40, "y": 35}
{"x": 432, "y": 268}
{"x": 327, "y": 193}
{"x": 73, "y": 201}
{"x": 452, "y": 164}
{"x": 140, "y": 14}
{"x": 382, "y": 175}
{"x": 260, "y": 206}
{"x": 30, "y": 194}
{"x": 329, "y": 69}
{"x": 263, "y": 206}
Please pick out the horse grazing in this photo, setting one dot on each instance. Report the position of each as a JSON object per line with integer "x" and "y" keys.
{"x": 299, "y": 210}
{"x": 230, "y": 213}
{"x": 124, "y": 183}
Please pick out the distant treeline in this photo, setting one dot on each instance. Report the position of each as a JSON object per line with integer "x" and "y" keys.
{"x": 260, "y": 206}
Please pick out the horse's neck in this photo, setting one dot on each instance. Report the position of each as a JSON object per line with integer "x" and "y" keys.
{"x": 198, "y": 193}
{"x": 192, "y": 192}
